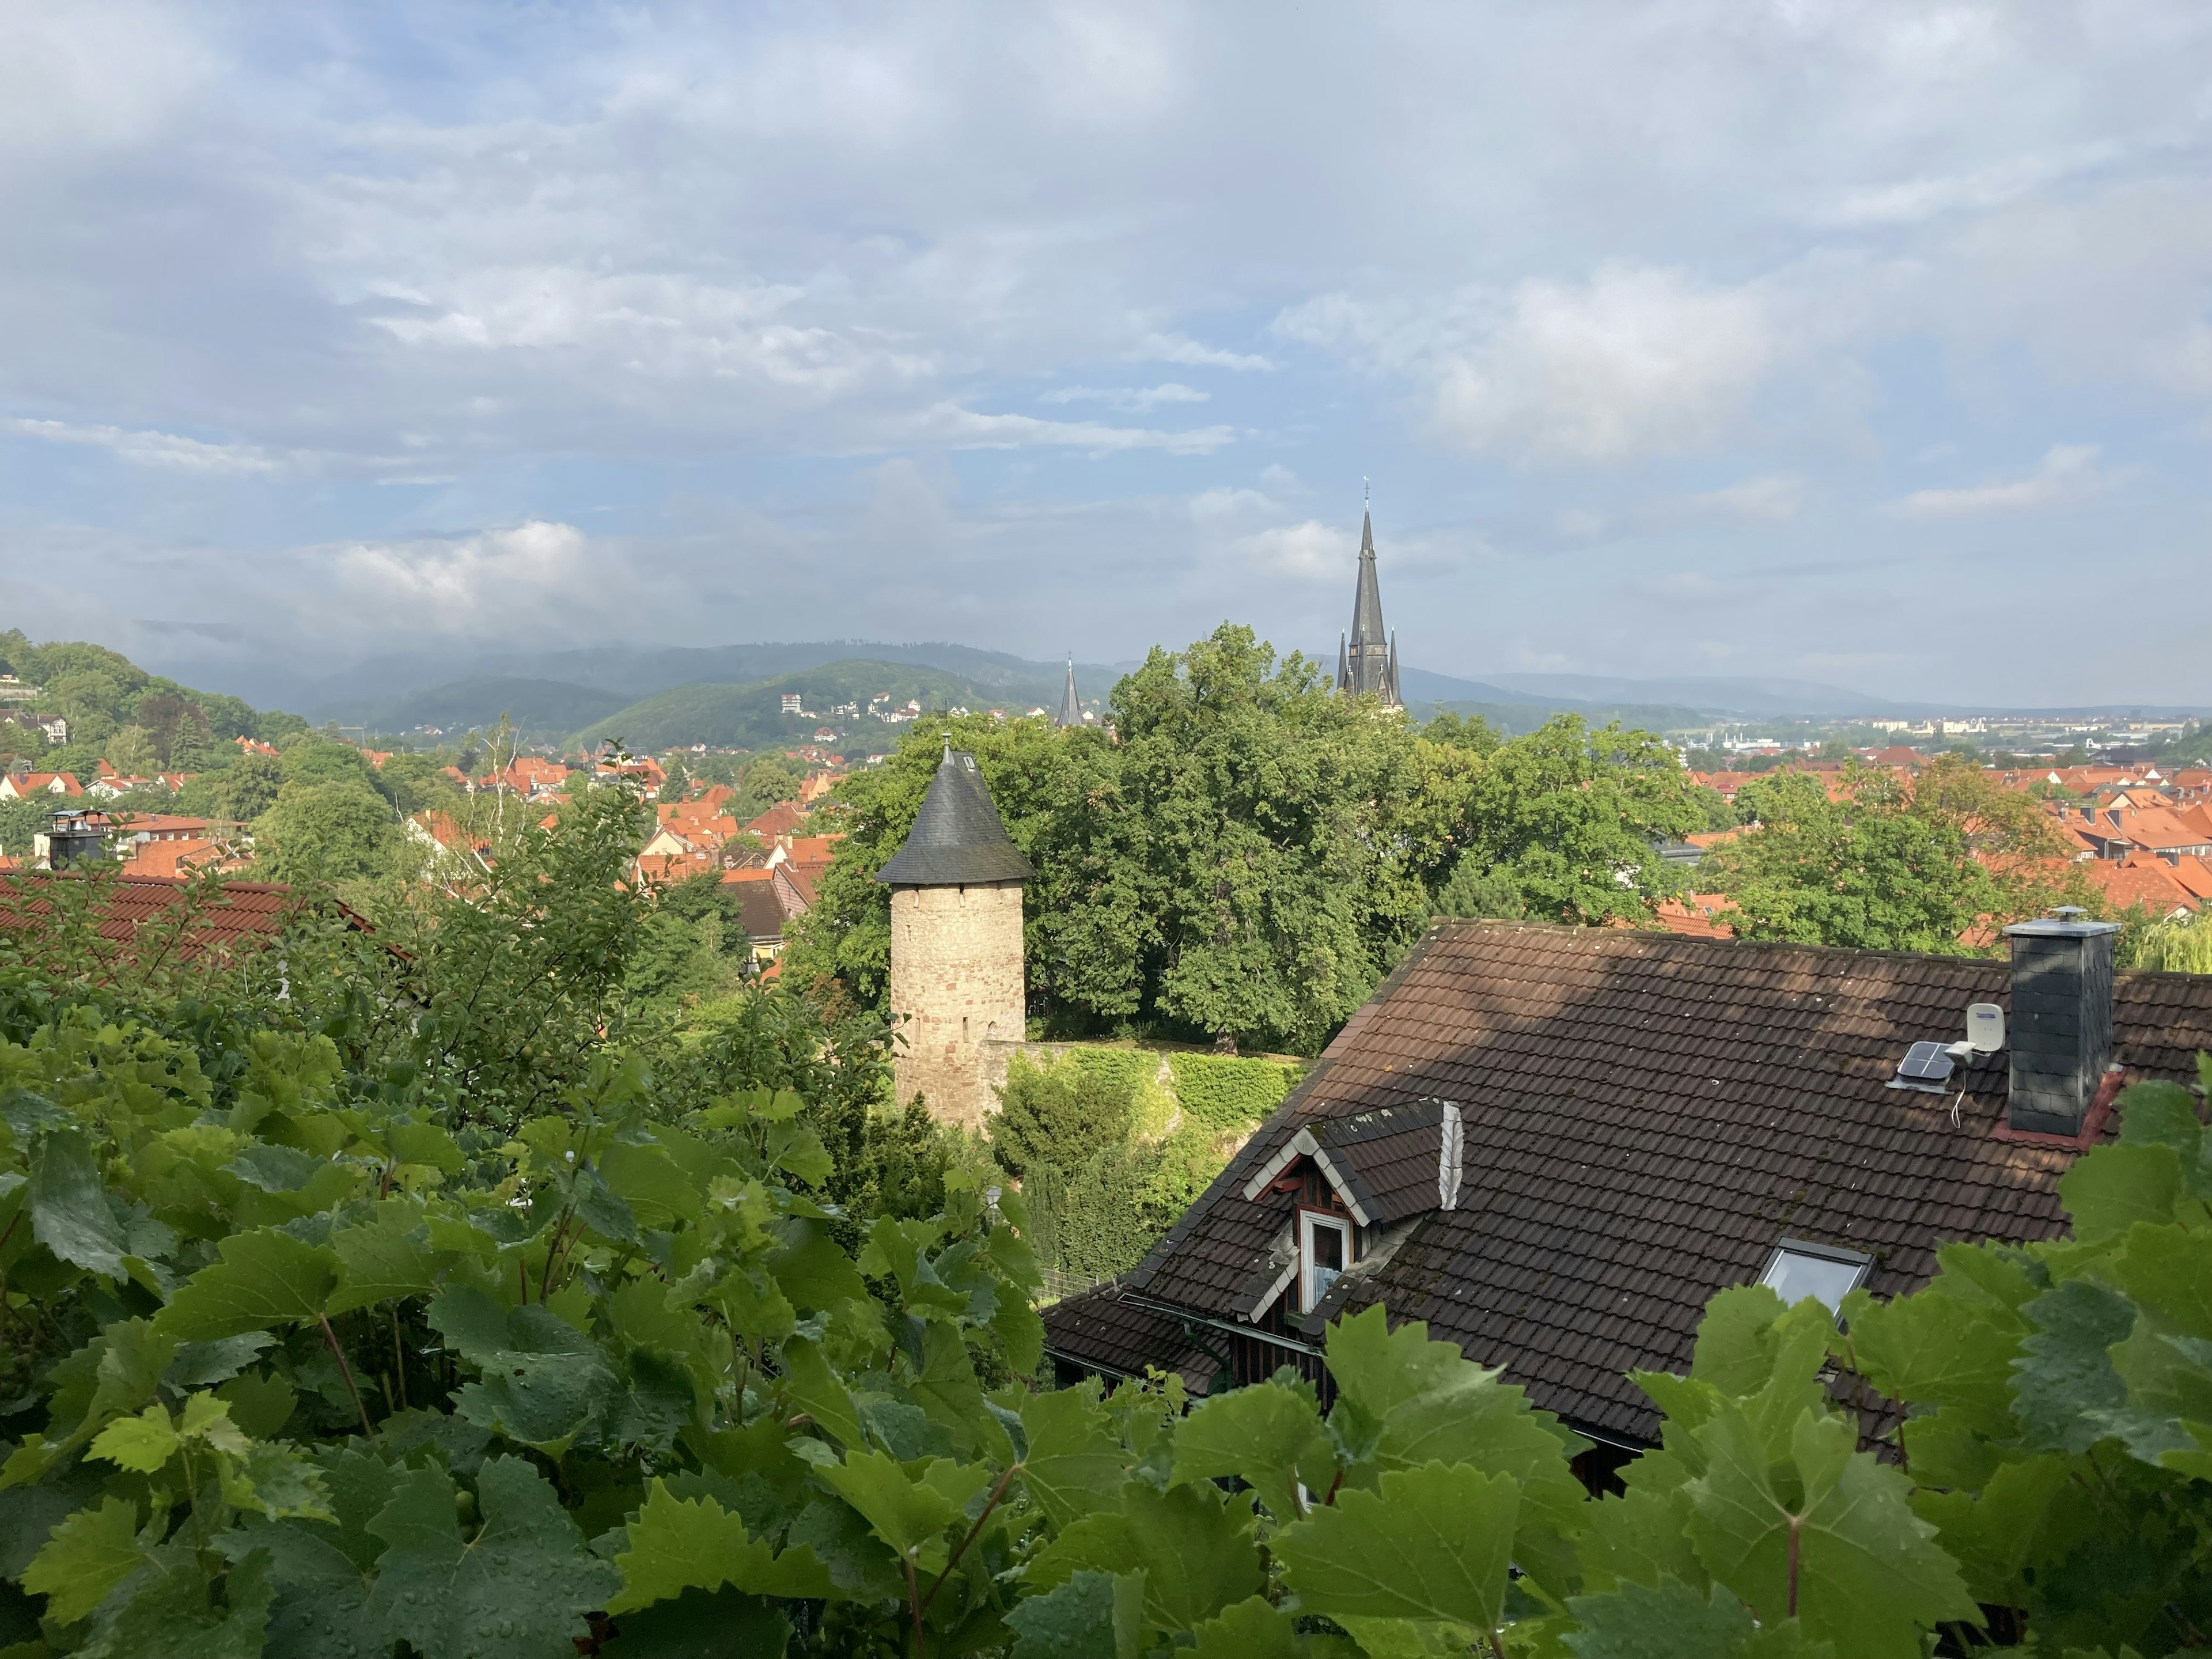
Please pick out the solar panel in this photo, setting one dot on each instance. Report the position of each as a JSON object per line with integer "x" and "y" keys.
{"x": 1926, "y": 1063}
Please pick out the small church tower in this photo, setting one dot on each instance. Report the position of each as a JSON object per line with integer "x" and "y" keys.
{"x": 1367, "y": 659}
{"x": 956, "y": 980}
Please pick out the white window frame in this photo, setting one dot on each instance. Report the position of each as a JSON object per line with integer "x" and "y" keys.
{"x": 1309, "y": 1220}
{"x": 1863, "y": 1263}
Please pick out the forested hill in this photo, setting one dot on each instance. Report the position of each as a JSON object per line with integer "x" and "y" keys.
{"x": 751, "y": 717}
{"x": 111, "y": 703}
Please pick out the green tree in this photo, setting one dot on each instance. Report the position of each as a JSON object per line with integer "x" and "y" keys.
{"x": 325, "y": 831}
{"x": 248, "y": 787}
{"x": 130, "y": 752}
{"x": 676, "y": 783}
{"x": 1564, "y": 825}
{"x": 1936, "y": 863}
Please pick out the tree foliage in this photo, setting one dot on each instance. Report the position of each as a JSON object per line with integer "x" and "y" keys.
{"x": 1935, "y": 863}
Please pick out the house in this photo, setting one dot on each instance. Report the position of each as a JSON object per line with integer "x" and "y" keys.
{"x": 1555, "y": 1145}
{"x": 784, "y": 819}
{"x": 251, "y": 747}
{"x": 186, "y": 856}
{"x": 448, "y": 846}
{"x": 22, "y": 786}
{"x": 189, "y": 919}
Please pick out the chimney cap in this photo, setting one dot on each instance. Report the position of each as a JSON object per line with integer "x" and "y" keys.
{"x": 2065, "y": 922}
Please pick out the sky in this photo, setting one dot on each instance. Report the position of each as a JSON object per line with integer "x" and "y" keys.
{"x": 1861, "y": 342}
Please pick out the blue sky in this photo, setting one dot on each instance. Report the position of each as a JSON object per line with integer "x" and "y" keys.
{"x": 1862, "y": 342}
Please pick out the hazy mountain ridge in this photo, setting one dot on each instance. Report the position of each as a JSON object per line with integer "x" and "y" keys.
{"x": 751, "y": 717}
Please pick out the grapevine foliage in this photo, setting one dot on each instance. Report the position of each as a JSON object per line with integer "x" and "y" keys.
{"x": 313, "y": 1361}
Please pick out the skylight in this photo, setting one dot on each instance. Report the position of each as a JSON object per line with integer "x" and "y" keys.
{"x": 1798, "y": 1269}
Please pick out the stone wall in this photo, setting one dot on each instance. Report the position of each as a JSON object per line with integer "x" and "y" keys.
{"x": 957, "y": 986}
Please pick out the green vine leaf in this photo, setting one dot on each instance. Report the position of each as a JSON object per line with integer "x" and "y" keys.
{"x": 1430, "y": 1543}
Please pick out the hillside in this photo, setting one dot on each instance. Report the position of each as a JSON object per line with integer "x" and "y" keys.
{"x": 1515, "y": 718}
{"x": 538, "y": 707}
{"x": 751, "y": 717}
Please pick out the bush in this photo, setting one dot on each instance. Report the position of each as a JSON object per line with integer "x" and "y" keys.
{"x": 1062, "y": 1114}
{"x": 1225, "y": 1092}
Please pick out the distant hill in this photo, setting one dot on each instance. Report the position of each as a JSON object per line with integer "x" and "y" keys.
{"x": 751, "y": 717}
{"x": 1755, "y": 699}
{"x": 538, "y": 707}
{"x": 632, "y": 673}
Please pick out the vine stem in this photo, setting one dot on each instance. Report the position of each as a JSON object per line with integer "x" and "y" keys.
{"x": 913, "y": 1601}
{"x": 346, "y": 1371}
{"x": 1497, "y": 1645}
{"x": 1796, "y": 1531}
{"x": 997, "y": 1492}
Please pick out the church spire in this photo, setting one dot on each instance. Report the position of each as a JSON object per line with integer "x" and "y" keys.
{"x": 1071, "y": 706}
{"x": 1368, "y": 659}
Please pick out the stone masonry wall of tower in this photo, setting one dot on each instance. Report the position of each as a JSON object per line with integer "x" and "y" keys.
{"x": 955, "y": 984}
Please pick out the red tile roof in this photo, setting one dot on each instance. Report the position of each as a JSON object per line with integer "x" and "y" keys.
{"x": 784, "y": 818}
{"x": 236, "y": 914}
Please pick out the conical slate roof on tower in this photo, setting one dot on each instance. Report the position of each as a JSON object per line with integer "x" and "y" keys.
{"x": 1071, "y": 706}
{"x": 1367, "y": 659}
{"x": 957, "y": 839}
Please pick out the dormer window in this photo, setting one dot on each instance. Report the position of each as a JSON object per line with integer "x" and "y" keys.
{"x": 1324, "y": 1252}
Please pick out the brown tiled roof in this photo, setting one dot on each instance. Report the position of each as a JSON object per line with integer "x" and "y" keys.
{"x": 1645, "y": 1116}
{"x": 1101, "y": 1321}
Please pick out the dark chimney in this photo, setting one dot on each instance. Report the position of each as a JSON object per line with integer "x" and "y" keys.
{"x": 2061, "y": 1031}
{"x": 75, "y": 838}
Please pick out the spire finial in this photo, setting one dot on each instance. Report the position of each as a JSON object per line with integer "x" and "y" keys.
{"x": 1366, "y": 492}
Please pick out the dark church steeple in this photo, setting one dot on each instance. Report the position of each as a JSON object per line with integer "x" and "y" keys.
{"x": 1071, "y": 706}
{"x": 1367, "y": 658}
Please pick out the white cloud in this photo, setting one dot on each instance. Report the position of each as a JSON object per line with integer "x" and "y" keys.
{"x": 1910, "y": 201}
{"x": 1180, "y": 349}
{"x": 1638, "y": 361}
{"x": 157, "y": 449}
{"x": 502, "y": 579}
{"x": 1635, "y": 362}
{"x": 962, "y": 429}
{"x": 2066, "y": 473}
{"x": 1135, "y": 400}
{"x": 1776, "y": 499}
{"x": 1227, "y": 502}
{"x": 1310, "y": 551}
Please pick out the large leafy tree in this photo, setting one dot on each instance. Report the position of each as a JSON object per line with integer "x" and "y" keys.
{"x": 1564, "y": 825}
{"x": 1244, "y": 855}
{"x": 1937, "y": 862}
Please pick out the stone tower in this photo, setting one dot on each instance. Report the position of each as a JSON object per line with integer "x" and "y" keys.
{"x": 1367, "y": 659}
{"x": 957, "y": 984}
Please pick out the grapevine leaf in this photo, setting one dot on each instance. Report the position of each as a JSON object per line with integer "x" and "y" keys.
{"x": 686, "y": 1543}
{"x": 909, "y": 1513}
{"x": 861, "y": 1564}
{"x": 2064, "y": 1388}
{"x": 88, "y": 1555}
{"x": 384, "y": 1260}
{"x": 142, "y": 1444}
{"x": 198, "y": 1364}
{"x": 1930, "y": 1350}
{"x": 2115, "y": 1187}
{"x": 1259, "y": 1434}
{"x": 2167, "y": 1273}
{"x": 325, "y": 1571}
{"x": 519, "y": 1590}
{"x": 814, "y": 1273}
{"x": 1092, "y": 1615}
{"x": 701, "y": 1624}
{"x": 172, "y": 1618}
{"x": 1020, "y": 1331}
{"x": 1074, "y": 1466}
{"x": 1869, "y": 1576}
{"x": 540, "y": 1380}
{"x": 266, "y": 1279}
{"x": 1639, "y": 1538}
{"x": 812, "y": 1388}
{"x": 1432, "y": 1544}
{"x": 1251, "y": 1629}
{"x": 70, "y": 1213}
{"x": 1994, "y": 1534}
{"x": 278, "y": 1482}
{"x": 1195, "y": 1550}
{"x": 1670, "y": 1621}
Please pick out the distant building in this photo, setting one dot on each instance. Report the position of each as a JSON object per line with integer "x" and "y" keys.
{"x": 1367, "y": 658}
